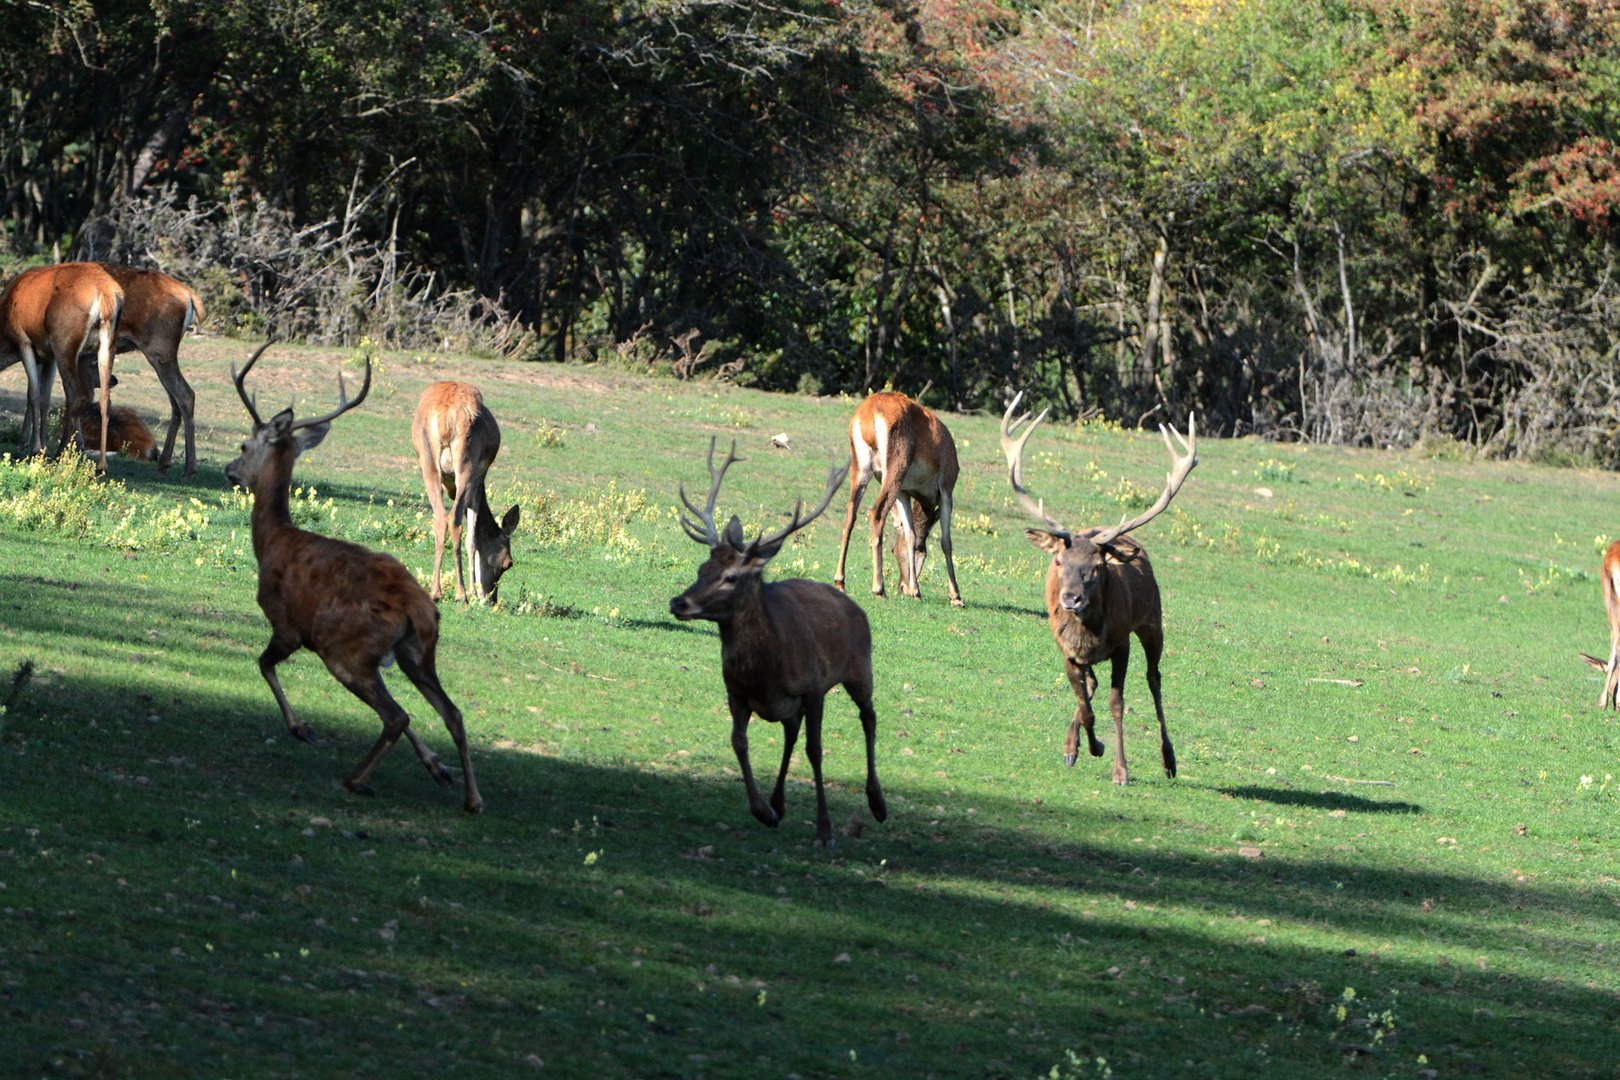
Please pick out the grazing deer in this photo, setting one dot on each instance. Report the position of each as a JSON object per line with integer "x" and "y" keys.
{"x": 456, "y": 441}
{"x": 782, "y": 645}
{"x": 356, "y": 609}
{"x": 48, "y": 315}
{"x": 1611, "y": 602}
{"x": 915, "y": 458}
{"x": 127, "y": 433}
{"x": 1100, "y": 590}
{"x": 158, "y": 311}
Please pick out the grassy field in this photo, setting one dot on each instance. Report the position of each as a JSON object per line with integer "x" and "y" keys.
{"x": 1390, "y": 850}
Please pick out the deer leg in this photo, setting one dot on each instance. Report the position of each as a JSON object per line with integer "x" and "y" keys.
{"x": 740, "y": 713}
{"x": 425, "y": 678}
{"x": 1117, "y": 665}
{"x": 182, "y": 409}
{"x": 1152, "y": 638}
{"x": 458, "y": 525}
{"x": 881, "y": 507}
{"x": 369, "y": 688}
{"x": 435, "y": 493}
{"x": 1084, "y": 683}
{"x": 862, "y": 696}
{"x": 858, "y": 479}
{"x": 274, "y": 653}
{"x": 41, "y": 380}
{"x": 790, "y": 738}
{"x": 909, "y": 542}
{"x": 813, "y": 707}
{"x": 945, "y": 544}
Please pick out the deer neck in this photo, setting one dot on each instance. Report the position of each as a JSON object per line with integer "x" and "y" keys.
{"x": 749, "y": 641}
{"x": 272, "y": 505}
{"x": 484, "y": 524}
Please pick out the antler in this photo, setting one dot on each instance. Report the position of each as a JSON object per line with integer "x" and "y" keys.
{"x": 1181, "y": 465}
{"x": 344, "y": 404}
{"x": 703, "y": 529}
{"x": 237, "y": 379}
{"x": 835, "y": 477}
{"x": 1014, "y": 449}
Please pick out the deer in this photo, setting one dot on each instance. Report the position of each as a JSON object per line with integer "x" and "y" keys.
{"x": 358, "y": 610}
{"x": 158, "y": 311}
{"x": 48, "y": 315}
{"x": 456, "y": 441}
{"x": 127, "y": 432}
{"x": 914, "y": 457}
{"x": 783, "y": 644}
{"x": 1611, "y": 603}
{"x": 1100, "y": 590}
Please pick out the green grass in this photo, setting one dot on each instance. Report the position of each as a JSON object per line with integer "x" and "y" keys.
{"x": 1380, "y": 857}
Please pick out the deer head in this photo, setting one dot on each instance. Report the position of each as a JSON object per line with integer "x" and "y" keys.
{"x": 281, "y": 440}
{"x": 492, "y": 555}
{"x": 733, "y": 571}
{"x": 1080, "y": 561}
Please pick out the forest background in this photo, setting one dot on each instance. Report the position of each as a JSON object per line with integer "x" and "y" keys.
{"x": 1371, "y": 222}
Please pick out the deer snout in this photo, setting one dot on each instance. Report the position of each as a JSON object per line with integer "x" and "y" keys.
{"x": 683, "y": 607}
{"x": 1072, "y": 601}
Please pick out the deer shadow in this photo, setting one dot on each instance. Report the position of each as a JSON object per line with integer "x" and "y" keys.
{"x": 1320, "y": 800}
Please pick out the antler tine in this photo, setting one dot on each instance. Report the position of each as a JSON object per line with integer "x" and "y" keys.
{"x": 344, "y": 404}
{"x": 835, "y": 478}
{"x": 1181, "y": 465}
{"x": 1013, "y": 448}
{"x": 250, "y": 403}
{"x": 708, "y": 533}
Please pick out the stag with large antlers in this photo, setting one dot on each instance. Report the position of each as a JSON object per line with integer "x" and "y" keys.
{"x": 1610, "y": 697}
{"x": 783, "y": 645}
{"x": 914, "y": 458}
{"x": 1100, "y": 590}
{"x": 358, "y": 610}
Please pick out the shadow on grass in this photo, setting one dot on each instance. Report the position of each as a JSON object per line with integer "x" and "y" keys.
{"x": 1321, "y": 800}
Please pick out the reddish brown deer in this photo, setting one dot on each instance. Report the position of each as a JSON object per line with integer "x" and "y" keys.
{"x": 1100, "y": 590}
{"x": 783, "y": 645}
{"x": 48, "y": 315}
{"x": 1611, "y": 603}
{"x": 456, "y": 440}
{"x": 157, "y": 313}
{"x": 914, "y": 457}
{"x": 127, "y": 433}
{"x": 358, "y": 610}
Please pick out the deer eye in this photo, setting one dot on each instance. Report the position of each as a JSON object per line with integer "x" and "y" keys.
{"x": 730, "y": 577}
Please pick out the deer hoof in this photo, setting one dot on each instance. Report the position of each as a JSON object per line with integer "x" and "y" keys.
{"x": 359, "y": 789}
{"x": 474, "y": 807}
{"x": 1070, "y": 759}
{"x": 879, "y": 808}
{"x": 303, "y": 733}
{"x": 1096, "y": 748}
{"x": 441, "y": 774}
{"x": 766, "y": 816}
{"x": 956, "y": 601}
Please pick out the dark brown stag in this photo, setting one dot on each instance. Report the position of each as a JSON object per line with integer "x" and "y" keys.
{"x": 357, "y": 609}
{"x": 1100, "y": 590}
{"x": 783, "y": 645}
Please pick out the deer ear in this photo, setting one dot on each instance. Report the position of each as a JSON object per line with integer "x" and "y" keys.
{"x": 1046, "y": 541}
{"x": 734, "y": 533}
{"x": 309, "y": 438}
{"x": 281, "y": 423}
{"x": 510, "y": 521}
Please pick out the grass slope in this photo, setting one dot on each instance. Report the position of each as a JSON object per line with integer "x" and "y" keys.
{"x": 1390, "y": 849}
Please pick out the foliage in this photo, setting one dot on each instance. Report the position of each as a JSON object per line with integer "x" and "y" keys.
{"x": 1368, "y": 222}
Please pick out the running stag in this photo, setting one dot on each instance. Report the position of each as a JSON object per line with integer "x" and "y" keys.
{"x": 1100, "y": 590}
{"x": 358, "y": 610}
{"x": 783, "y": 645}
